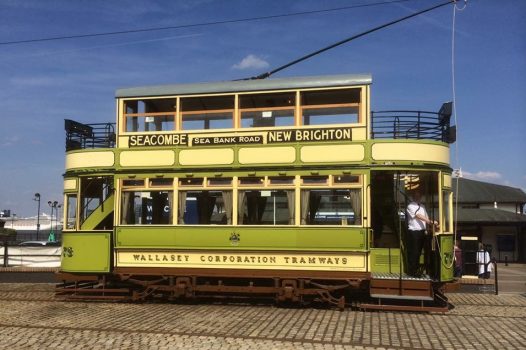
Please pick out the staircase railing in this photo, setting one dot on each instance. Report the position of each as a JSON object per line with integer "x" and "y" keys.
{"x": 82, "y": 136}
{"x": 400, "y": 124}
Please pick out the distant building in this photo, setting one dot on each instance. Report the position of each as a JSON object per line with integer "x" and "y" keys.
{"x": 495, "y": 215}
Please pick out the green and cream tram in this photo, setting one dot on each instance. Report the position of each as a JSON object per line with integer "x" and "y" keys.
{"x": 290, "y": 188}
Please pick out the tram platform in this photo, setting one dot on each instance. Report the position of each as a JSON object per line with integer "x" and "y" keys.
{"x": 396, "y": 276}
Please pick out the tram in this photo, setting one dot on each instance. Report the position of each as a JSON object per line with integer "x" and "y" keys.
{"x": 287, "y": 188}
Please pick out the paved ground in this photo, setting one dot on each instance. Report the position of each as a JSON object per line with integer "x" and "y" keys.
{"x": 512, "y": 278}
{"x": 31, "y": 319}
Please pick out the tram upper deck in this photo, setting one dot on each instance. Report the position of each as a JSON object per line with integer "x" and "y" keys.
{"x": 323, "y": 120}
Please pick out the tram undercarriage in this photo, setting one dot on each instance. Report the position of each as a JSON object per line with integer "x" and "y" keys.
{"x": 359, "y": 290}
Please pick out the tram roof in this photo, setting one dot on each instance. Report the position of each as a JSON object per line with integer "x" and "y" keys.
{"x": 493, "y": 216}
{"x": 247, "y": 85}
{"x": 473, "y": 191}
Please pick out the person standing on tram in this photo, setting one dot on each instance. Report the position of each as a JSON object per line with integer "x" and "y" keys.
{"x": 417, "y": 221}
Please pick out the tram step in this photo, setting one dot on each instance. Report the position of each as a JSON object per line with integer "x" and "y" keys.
{"x": 402, "y": 297}
{"x": 401, "y": 289}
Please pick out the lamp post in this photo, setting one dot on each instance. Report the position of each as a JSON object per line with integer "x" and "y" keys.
{"x": 53, "y": 206}
{"x": 37, "y": 198}
{"x": 56, "y": 218}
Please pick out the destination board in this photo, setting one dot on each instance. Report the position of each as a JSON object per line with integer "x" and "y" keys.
{"x": 241, "y": 138}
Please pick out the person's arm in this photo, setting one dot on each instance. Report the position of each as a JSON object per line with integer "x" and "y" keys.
{"x": 426, "y": 220}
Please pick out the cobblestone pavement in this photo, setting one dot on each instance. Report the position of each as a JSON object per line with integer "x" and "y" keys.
{"x": 31, "y": 319}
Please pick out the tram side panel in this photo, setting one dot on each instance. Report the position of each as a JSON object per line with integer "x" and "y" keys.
{"x": 86, "y": 252}
{"x": 238, "y": 247}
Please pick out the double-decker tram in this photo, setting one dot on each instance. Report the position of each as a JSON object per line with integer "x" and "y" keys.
{"x": 284, "y": 188}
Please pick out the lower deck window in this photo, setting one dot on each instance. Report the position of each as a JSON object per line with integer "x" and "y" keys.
{"x": 71, "y": 211}
{"x": 266, "y": 207}
{"x": 146, "y": 208}
{"x": 205, "y": 207}
{"x": 331, "y": 207}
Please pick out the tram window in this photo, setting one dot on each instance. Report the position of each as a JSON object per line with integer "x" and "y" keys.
{"x": 156, "y": 105}
{"x": 205, "y": 208}
{"x": 315, "y": 180}
{"x": 330, "y": 106}
{"x": 446, "y": 200}
{"x": 255, "y": 119}
{"x": 220, "y": 181}
{"x": 266, "y": 207}
{"x": 146, "y": 208}
{"x": 71, "y": 213}
{"x": 251, "y": 181}
{"x": 330, "y": 97}
{"x": 161, "y": 182}
{"x": 330, "y": 115}
{"x": 150, "y": 115}
{"x": 272, "y": 100}
{"x": 346, "y": 179}
{"x": 208, "y": 120}
{"x": 150, "y": 123}
{"x": 133, "y": 183}
{"x": 190, "y": 181}
{"x": 281, "y": 180}
{"x": 212, "y": 112}
{"x": 331, "y": 207}
{"x": 262, "y": 110}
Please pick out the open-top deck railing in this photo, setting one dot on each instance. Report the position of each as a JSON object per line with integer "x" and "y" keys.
{"x": 418, "y": 125}
{"x": 81, "y": 136}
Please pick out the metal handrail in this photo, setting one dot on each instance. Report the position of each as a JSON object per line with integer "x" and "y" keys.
{"x": 82, "y": 136}
{"x": 396, "y": 124}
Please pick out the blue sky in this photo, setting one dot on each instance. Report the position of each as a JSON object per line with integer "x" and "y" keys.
{"x": 45, "y": 83}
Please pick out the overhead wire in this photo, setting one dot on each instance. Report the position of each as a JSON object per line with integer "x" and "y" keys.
{"x": 344, "y": 41}
{"x": 239, "y": 20}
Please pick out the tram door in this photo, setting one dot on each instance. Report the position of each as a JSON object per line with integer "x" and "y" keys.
{"x": 390, "y": 195}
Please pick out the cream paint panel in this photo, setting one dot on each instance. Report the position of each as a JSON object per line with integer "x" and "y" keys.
{"x": 261, "y": 155}
{"x": 70, "y": 184}
{"x": 359, "y": 134}
{"x": 89, "y": 159}
{"x": 123, "y": 141}
{"x": 147, "y": 158}
{"x": 206, "y": 156}
{"x": 255, "y": 260}
{"x": 410, "y": 151}
{"x": 447, "y": 181}
{"x": 332, "y": 153}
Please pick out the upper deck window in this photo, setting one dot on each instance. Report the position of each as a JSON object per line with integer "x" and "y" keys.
{"x": 211, "y": 112}
{"x": 330, "y": 107}
{"x": 161, "y": 182}
{"x": 267, "y": 110}
{"x": 150, "y": 115}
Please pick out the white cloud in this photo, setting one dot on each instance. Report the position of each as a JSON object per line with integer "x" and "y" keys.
{"x": 251, "y": 62}
{"x": 483, "y": 175}
{"x": 10, "y": 141}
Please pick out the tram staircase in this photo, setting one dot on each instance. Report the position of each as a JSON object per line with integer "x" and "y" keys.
{"x": 100, "y": 213}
